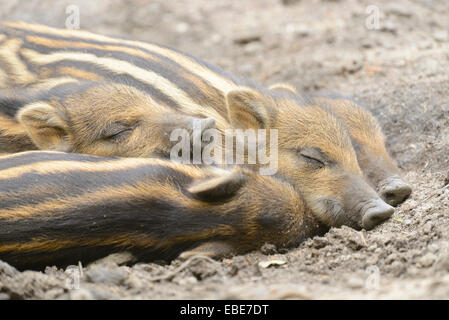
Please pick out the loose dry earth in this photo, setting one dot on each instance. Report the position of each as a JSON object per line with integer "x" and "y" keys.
{"x": 399, "y": 70}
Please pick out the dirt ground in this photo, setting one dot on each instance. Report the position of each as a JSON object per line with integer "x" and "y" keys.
{"x": 398, "y": 68}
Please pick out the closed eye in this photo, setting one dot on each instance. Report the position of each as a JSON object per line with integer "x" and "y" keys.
{"x": 313, "y": 157}
{"x": 120, "y": 134}
{"x": 116, "y": 131}
{"x": 313, "y": 161}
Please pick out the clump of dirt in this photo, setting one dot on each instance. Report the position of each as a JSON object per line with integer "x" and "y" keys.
{"x": 390, "y": 57}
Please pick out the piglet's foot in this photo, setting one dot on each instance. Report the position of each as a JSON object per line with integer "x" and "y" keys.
{"x": 212, "y": 249}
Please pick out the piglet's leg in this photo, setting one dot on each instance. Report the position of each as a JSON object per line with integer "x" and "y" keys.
{"x": 212, "y": 249}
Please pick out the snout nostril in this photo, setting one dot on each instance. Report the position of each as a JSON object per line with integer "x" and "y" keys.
{"x": 389, "y": 196}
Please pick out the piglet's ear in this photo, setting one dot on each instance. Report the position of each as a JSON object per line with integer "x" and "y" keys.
{"x": 219, "y": 188}
{"x": 249, "y": 109}
{"x": 284, "y": 87}
{"x": 45, "y": 125}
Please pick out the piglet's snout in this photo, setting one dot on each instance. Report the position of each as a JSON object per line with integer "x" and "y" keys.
{"x": 395, "y": 191}
{"x": 377, "y": 212}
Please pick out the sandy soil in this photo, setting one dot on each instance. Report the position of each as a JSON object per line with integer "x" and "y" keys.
{"x": 398, "y": 68}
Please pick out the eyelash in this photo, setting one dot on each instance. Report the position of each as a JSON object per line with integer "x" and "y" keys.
{"x": 118, "y": 135}
{"x": 313, "y": 160}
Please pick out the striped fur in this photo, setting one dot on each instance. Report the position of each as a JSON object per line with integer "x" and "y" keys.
{"x": 126, "y": 96}
{"x": 368, "y": 141}
{"x": 58, "y": 208}
{"x": 174, "y": 78}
